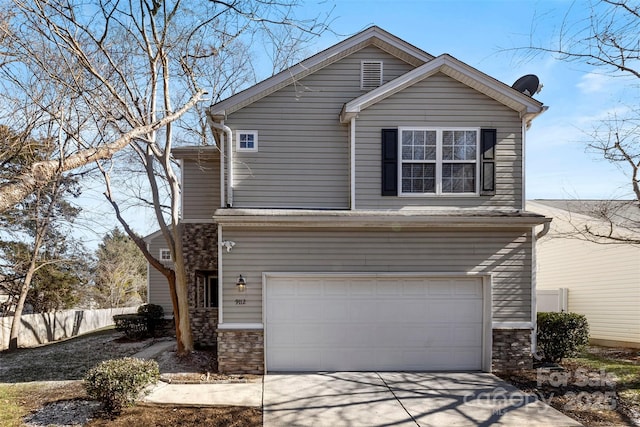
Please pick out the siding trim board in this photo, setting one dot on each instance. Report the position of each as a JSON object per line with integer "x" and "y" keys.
{"x": 233, "y": 326}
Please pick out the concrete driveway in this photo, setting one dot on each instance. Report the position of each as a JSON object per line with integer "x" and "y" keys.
{"x": 401, "y": 399}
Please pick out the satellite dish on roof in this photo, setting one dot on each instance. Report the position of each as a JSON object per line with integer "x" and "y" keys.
{"x": 529, "y": 84}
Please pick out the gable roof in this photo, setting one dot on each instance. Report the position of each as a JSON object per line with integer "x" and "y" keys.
{"x": 375, "y": 36}
{"x": 458, "y": 70}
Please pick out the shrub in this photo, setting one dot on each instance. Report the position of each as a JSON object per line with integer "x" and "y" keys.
{"x": 143, "y": 324}
{"x": 133, "y": 326}
{"x": 152, "y": 311}
{"x": 153, "y": 314}
{"x": 561, "y": 335}
{"x": 117, "y": 383}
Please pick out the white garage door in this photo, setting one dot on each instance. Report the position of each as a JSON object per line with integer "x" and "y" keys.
{"x": 364, "y": 323}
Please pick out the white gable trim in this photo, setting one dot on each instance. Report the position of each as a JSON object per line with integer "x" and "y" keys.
{"x": 525, "y": 105}
{"x": 371, "y": 36}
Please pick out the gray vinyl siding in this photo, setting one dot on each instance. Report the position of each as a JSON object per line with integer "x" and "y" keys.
{"x": 303, "y": 157}
{"x": 439, "y": 101}
{"x": 201, "y": 188}
{"x": 506, "y": 255}
{"x": 158, "y": 287}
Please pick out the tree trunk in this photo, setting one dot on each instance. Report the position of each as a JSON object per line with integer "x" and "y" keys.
{"x": 17, "y": 315}
{"x": 182, "y": 295}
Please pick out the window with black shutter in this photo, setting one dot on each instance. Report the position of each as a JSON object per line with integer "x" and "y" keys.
{"x": 389, "y": 162}
{"x": 488, "y": 139}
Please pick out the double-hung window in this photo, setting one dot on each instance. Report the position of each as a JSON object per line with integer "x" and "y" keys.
{"x": 437, "y": 161}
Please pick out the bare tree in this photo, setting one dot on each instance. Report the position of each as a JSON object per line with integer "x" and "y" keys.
{"x": 608, "y": 40}
{"x": 31, "y": 240}
{"x": 134, "y": 74}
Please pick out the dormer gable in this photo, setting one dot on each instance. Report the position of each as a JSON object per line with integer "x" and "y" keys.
{"x": 526, "y": 106}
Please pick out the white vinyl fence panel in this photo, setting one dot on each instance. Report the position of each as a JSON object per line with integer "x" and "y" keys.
{"x": 553, "y": 300}
{"x": 42, "y": 328}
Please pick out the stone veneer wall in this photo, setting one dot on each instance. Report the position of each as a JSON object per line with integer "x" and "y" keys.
{"x": 200, "y": 250}
{"x": 512, "y": 349}
{"x": 241, "y": 351}
{"x": 204, "y": 322}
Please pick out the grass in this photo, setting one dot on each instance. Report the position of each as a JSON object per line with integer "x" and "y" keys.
{"x": 12, "y": 411}
{"x": 32, "y": 378}
{"x": 65, "y": 360}
{"x": 626, "y": 373}
{"x": 591, "y": 380}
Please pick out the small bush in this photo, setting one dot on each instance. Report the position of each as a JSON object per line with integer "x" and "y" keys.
{"x": 561, "y": 335}
{"x": 133, "y": 326}
{"x": 118, "y": 383}
{"x": 152, "y": 311}
{"x": 153, "y": 314}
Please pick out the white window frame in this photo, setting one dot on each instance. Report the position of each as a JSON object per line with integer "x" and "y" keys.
{"x": 439, "y": 162}
{"x": 165, "y": 255}
{"x": 239, "y": 134}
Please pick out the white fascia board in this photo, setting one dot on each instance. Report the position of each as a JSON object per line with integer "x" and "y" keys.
{"x": 456, "y": 69}
{"x": 372, "y": 35}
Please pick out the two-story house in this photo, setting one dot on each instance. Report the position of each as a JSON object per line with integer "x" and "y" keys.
{"x": 363, "y": 210}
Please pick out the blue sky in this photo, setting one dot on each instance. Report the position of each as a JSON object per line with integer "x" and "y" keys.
{"x": 483, "y": 34}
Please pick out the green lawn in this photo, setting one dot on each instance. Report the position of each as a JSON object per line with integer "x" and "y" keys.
{"x": 12, "y": 411}
{"x": 626, "y": 373}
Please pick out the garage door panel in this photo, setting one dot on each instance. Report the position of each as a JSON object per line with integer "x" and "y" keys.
{"x": 373, "y": 323}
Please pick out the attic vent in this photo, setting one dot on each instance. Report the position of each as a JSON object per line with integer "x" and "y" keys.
{"x": 370, "y": 74}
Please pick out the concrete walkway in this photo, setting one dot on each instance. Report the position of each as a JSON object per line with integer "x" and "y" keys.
{"x": 199, "y": 395}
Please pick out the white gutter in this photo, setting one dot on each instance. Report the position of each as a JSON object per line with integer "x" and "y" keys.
{"x": 228, "y": 142}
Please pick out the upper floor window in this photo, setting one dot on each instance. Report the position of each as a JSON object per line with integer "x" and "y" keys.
{"x": 247, "y": 140}
{"x": 438, "y": 161}
{"x": 165, "y": 255}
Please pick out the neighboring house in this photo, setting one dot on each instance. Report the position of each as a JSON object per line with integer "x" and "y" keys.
{"x": 367, "y": 214}
{"x": 603, "y": 280}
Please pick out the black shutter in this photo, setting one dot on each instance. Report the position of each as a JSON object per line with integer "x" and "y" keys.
{"x": 389, "y": 162}
{"x": 488, "y": 142}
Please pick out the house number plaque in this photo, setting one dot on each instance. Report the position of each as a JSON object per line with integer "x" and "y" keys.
{"x": 241, "y": 301}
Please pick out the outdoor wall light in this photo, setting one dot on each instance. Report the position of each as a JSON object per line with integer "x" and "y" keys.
{"x": 241, "y": 284}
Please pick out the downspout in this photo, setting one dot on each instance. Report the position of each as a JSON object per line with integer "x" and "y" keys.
{"x": 352, "y": 167}
{"x": 229, "y": 145}
{"x": 534, "y": 284}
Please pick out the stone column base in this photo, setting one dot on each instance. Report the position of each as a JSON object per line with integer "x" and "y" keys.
{"x": 241, "y": 351}
{"x": 512, "y": 349}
